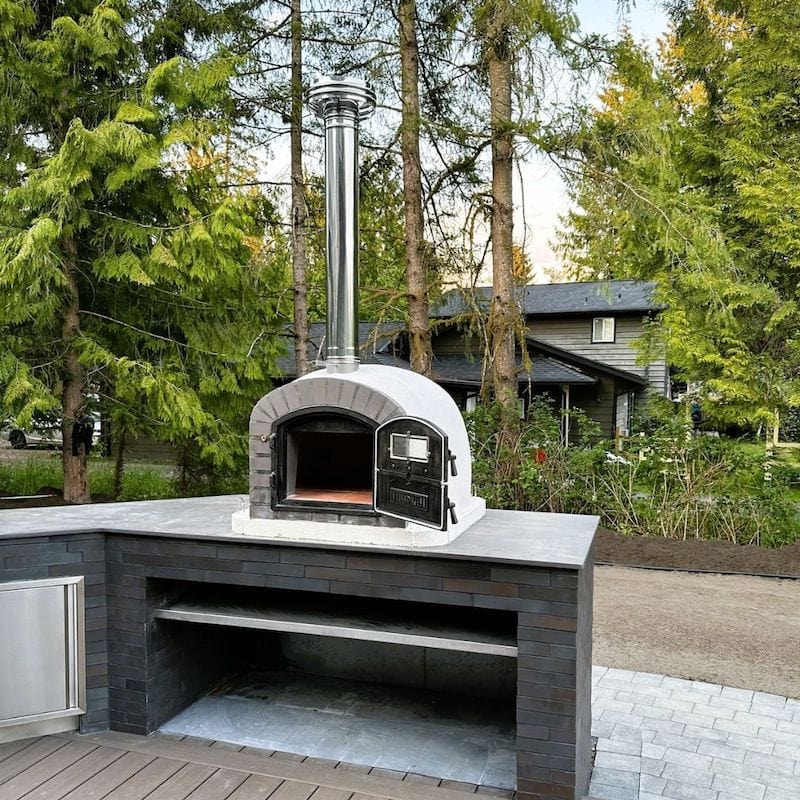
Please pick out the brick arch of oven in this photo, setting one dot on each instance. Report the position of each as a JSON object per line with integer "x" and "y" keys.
{"x": 329, "y": 394}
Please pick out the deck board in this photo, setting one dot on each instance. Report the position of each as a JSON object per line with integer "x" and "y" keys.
{"x": 76, "y": 774}
{"x": 293, "y": 790}
{"x": 327, "y": 793}
{"x": 256, "y": 787}
{"x": 183, "y": 782}
{"x": 7, "y": 749}
{"x": 119, "y": 766}
{"x": 42, "y": 771}
{"x": 139, "y": 786}
{"x": 221, "y": 784}
{"x": 110, "y": 778}
{"x": 28, "y": 756}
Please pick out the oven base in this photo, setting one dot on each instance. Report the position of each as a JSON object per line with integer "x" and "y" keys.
{"x": 322, "y": 532}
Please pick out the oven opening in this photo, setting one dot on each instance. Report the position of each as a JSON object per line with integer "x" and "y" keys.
{"x": 329, "y": 459}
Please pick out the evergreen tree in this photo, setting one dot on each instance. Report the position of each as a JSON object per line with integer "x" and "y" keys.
{"x": 126, "y": 272}
{"x": 690, "y": 177}
{"x": 419, "y": 334}
{"x": 514, "y": 41}
{"x": 299, "y": 208}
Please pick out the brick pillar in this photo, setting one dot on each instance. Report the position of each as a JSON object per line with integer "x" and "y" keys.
{"x": 554, "y": 687}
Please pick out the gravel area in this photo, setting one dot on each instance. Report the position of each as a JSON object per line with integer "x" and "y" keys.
{"x": 8, "y": 455}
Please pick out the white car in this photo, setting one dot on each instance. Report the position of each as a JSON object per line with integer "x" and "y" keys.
{"x": 44, "y": 433}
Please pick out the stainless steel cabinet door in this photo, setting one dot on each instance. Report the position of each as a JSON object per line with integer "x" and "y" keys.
{"x": 41, "y": 649}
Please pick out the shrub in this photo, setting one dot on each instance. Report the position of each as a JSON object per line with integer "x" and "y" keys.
{"x": 139, "y": 482}
{"x": 539, "y": 473}
{"x": 790, "y": 425}
{"x": 30, "y": 475}
{"x": 667, "y": 482}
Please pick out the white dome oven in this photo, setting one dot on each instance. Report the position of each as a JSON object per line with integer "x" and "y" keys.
{"x": 370, "y": 454}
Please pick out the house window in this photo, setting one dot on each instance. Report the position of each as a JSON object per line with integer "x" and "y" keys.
{"x": 603, "y": 329}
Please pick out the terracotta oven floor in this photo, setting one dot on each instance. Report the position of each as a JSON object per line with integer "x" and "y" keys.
{"x": 361, "y": 497}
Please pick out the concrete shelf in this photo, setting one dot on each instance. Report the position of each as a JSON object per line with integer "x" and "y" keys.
{"x": 393, "y": 629}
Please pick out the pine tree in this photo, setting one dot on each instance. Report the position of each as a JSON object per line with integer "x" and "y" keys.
{"x": 513, "y": 40}
{"x": 299, "y": 209}
{"x": 419, "y": 334}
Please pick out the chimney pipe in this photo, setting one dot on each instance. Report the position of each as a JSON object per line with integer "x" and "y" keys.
{"x": 342, "y": 103}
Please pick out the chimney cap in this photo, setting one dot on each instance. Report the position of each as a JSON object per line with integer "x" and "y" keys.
{"x": 335, "y": 93}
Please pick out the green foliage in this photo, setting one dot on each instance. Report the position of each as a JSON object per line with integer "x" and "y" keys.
{"x": 382, "y": 289}
{"x": 684, "y": 486}
{"x": 29, "y": 476}
{"x": 114, "y": 172}
{"x": 196, "y": 477}
{"x": 539, "y": 472}
{"x": 790, "y": 425}
{"x": 689, "y": 176}
{"x": 140, "y": 482}
{"x": 666, "y": 483}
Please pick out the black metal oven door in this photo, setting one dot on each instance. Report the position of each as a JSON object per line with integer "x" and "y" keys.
{"x": 411, "y": 471}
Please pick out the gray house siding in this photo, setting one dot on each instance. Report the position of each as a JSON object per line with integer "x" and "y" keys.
{"x": 597, "y": 403}
{"x": 604, "y": 403}
{"x": 457, "y": 342}
{"x": 575, "y": 334}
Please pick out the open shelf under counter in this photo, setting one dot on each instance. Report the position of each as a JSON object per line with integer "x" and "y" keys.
{"x": 489, "y": 633}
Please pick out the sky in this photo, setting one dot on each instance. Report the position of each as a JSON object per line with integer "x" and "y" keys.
{"x": 540, "y": 193}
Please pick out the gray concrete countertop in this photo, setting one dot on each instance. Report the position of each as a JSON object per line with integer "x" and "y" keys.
{"x": 511, "y": 537}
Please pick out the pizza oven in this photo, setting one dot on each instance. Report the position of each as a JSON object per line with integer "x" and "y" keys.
{"x": 353, "y": 453}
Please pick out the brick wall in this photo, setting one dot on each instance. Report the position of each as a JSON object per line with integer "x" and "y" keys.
{"x": 130, "y": 663}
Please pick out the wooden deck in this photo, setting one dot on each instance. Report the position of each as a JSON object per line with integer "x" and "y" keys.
{"x": 117, "y": 766}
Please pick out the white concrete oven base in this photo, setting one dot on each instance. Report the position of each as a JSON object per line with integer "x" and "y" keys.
{"x": 307, "y": 530}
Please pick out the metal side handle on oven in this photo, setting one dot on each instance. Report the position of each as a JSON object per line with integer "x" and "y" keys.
{"x": 452, "y": 510}
{"x": 453, "y": 470}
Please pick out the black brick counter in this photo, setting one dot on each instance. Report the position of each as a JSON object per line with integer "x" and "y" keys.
{"x": 140, "y": 673}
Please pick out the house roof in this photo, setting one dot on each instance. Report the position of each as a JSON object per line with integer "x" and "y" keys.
{"x": 462, "y": 370}
{"x": 452, "y": 369}
{"x": 546, "y": 299}
{"x": 583, "y": 363}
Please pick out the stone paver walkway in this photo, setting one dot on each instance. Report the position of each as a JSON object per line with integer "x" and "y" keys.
{"x": 662, "y": 738}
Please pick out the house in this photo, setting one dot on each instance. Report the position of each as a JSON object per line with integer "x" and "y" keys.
{"x": 579, "y": 339}
{"x": 589, "y": 329}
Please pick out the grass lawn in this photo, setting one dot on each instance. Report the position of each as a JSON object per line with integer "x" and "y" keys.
{"x": 30, "y": 472}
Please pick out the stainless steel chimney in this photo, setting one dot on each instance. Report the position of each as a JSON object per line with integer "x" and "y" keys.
{"x": 342, "y": 103}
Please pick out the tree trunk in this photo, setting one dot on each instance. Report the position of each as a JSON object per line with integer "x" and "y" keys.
{"x": 76, "y": 476}
{"x": 119, "y": 463}
{"x": 416, "y": 273}
{"x": 504, "y": 315}
{"x": 299, "y": 210}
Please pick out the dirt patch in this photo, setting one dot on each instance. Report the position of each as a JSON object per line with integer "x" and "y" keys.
{"x": 735, "y": 630}
{"x": 696, "y": 554}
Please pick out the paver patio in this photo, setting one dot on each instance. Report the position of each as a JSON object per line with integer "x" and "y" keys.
{"x": 662, "y": 738}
